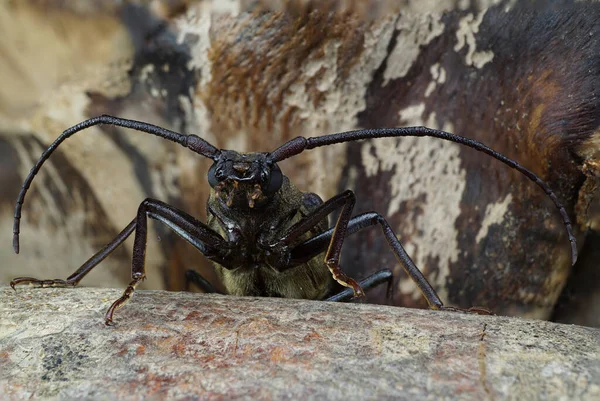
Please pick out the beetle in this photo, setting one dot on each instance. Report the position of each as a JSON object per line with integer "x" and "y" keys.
{"x": 264, "y": 236}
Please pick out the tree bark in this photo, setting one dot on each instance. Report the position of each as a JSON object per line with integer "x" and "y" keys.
{"x": 184, "y": 346}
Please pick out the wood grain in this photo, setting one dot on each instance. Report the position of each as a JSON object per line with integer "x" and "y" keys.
{"x": 182, "y": 346}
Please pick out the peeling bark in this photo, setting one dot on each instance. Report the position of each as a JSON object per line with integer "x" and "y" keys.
{"x": 183, "y": 346}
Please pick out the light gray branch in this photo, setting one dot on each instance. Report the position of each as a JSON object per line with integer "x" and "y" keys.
{"x": 54, "y": 345}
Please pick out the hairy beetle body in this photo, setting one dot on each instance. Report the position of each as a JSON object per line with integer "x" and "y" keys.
{"x": 256, "y": 274}
{"x": 266, "y": 237}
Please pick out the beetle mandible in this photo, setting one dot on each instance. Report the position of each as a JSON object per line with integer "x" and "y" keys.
{"x": 264, "y": 236}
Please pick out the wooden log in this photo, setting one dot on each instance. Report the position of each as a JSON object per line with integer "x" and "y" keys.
{"x": 183, "y": 346}
{"x": 248, "y": 75}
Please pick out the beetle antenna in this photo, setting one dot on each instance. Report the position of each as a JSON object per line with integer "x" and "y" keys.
{"x": 193, "y": 142}
{"x": 300, "y": 144}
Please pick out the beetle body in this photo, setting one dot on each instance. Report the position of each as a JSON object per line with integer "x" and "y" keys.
{"x": 249, "y": 228}
{"x": 265, "y": 236}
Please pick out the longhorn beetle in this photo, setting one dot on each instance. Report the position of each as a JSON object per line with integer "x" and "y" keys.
{"x": 264, "y": 236}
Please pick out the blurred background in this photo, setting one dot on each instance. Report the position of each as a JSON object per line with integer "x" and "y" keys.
{"x": 521, "y": 76}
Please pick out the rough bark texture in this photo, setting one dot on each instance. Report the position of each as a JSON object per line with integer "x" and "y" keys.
{"x": 520, "y": 75}
{"x": 182, "y": 346}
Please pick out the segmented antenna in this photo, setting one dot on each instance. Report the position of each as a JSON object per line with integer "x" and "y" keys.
{"x": 300, "y": 144}
{"x": 192, "y": 142}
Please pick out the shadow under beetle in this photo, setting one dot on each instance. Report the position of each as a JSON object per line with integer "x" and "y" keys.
{"x": 266, "y": 237}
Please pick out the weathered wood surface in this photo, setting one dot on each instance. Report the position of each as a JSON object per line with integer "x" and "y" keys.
{"x": 183, "y": 346}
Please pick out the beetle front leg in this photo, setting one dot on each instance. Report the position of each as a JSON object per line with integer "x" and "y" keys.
{"x": 346, "y": 201}
{"x": 138, "y": 265}
{"x": 192, "y": 230}
{"x": 202, "y": 237}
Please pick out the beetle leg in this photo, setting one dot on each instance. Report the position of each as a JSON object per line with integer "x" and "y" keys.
{"x": 374, "y": 280}
{"x": 474, "y": 309}
{"x": 193, "y": 277}
{"x": 80, "y": 273}
{"x": 312, "y": 247}
{"x": 119, "y": 303}
{"x": 192, "y": 230}
{"x": 202, "y": 237}
{"x": 346, "y": 201}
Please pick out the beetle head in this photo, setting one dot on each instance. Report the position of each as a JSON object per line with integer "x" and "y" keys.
{"x": 244, "y": 179}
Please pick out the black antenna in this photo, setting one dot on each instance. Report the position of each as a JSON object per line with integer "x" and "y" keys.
{"x": 192, "y": 142}
{"x": 300, "y": 144}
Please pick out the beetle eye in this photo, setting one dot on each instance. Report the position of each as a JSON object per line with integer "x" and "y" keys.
{"x": 275, "y": 181}
{"x": 212, "y": 177}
